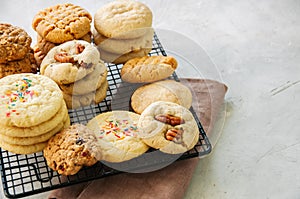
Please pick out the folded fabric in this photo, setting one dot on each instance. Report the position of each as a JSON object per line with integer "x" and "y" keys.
{"x": 169, "y": 182}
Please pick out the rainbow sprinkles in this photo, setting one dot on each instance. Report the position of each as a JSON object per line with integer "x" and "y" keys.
{"x": 21, "y": 92}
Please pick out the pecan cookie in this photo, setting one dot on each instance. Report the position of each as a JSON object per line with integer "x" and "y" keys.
{"x": 62, "y": 22}
{"x": 14, "y": 43}
{"x": 71, "y": 149}
{"x": 89, "y": 83}
{"x": 165, "y": 90}
{"x": 118, "y": 135}
{"x": 123, "y": 19}
{"x": 70, "y": 61}
{"x": 148, "y": 69}
{"x": 169, "y": 127}
{"x": 26, "y": 65}
{"x": 45, "y": 46}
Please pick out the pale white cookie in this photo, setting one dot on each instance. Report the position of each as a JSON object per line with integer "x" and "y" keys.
{"x": 70, "y": 61}
{"x": 169, "y": 127}
{"x": 118, "y": 135}
{"x": 123, "y": 19}
{"x": 148, "y": 69}
{"x": 25, "y": 141}
{"x": 122, "y": 58}
{"x": 39, "y": 129}
{"x": 123, "y": 46}
{"x": 28, "y": 99}
{"x": 89, "y": 83}
{"x": 95, "y": 97}
{"x": 165, "y": 90}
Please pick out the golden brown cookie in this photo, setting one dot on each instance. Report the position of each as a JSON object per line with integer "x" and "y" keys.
{"x": 71, "y": 149}
{"x": 148, "y": 69}
{"x": 14, "y": 43}
{"x": 165, "y": 90}
{"x": 123, "y": 19}
{"x": 169, "y": 127}
{"x": 26, "y": 65}
{"x": 122, "y": 58}
{"x": 62, "y": 22}
{"x": 38, "y": 55}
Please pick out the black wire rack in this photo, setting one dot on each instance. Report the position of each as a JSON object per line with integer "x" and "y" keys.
{"x": 24, "y": 175}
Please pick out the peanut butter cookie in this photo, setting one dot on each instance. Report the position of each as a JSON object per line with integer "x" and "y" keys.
{"x": 148, "y": 69}
{"x": 62, "y": 22}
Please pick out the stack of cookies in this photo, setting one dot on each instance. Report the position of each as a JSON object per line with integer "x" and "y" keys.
{"x": 58, "y": 24}
{"x": 76, "y": 67}
{"x": 16, "y": 55}
{"x": 123, "y": 30}
{"x": 32, "y": 110}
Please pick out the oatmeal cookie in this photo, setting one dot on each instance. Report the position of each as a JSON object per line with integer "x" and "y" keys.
{"x": 71, "y": 149}
{"x": 14, "y": 43}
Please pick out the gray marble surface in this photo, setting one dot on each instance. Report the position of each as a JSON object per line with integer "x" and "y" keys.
{"x": 252, "y": 46}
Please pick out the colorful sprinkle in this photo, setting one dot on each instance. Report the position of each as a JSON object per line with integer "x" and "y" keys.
{"x": 21, "y": 93}
{"x": 119, "y": 128}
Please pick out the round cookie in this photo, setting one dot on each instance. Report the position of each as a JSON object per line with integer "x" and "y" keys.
{"x": 122, "y": 58}
{"x": 169, "y": 127}
{"x": 123, "y": 19}
{"x": 62, "y": 22}
{"x": 36, "y": 139}
{"x": 39, "y": 129}
{"x": 123, "y": 46}
{"x": 70, "y": 61}
{"x": 89, "y": 83}
{"x": 26, "y": 65}
{"x": 76, "y": 101}
{"x": 28, "y": 99}
{"x": 148, "y": 69}
{"x": 118, "y": 135}
{"x": 14, "y": 43}
{"x": 165, "y": 90}
{"x": 71, "y": 149}
{"x": 23, "y": 149}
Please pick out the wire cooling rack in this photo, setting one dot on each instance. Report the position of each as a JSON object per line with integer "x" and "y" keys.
{"x": 24, "y": 175}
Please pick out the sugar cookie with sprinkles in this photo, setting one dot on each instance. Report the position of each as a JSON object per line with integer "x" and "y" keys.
{"x": 118, "y": 135}
{"x": 28, "y": 99}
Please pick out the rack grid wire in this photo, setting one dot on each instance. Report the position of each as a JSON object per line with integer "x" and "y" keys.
{"x": 25, "y": 175}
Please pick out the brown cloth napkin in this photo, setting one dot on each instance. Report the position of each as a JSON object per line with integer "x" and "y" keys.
{"x": 169, "y": 182}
